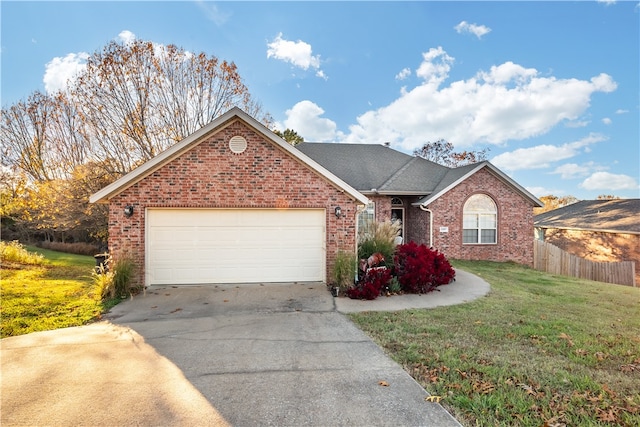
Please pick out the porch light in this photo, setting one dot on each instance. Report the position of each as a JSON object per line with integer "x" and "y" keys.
{"x": 338, "y": 211}
{"x": 128, "y": 210}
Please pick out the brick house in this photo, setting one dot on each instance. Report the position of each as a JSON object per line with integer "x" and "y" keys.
{"x": 473, "y": 212}
{"x": 597, "y": 230}
{"x": 234, "y": 203}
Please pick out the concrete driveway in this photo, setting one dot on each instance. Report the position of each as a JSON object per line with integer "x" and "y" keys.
{"x": 246, "y": 355}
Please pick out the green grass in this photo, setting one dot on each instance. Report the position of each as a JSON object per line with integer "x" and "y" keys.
{"x": 538, "y": 350}
{"x": 56, "y": 294}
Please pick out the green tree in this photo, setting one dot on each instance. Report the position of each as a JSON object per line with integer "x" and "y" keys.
{"x": 290, "y": 136}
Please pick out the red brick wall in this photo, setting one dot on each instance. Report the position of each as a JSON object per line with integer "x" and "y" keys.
{"x": 211, "y": 176}
{"x": 383, "y": 207}
{"x": 515, "y": 222}
{"x": 597, "y": 246}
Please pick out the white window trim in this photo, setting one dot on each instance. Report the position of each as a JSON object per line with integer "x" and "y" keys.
{"x": 477, "y": 216}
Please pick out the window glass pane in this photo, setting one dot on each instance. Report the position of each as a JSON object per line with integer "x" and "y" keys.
{"x": 470, "y": 221}
{"x": 469, "y": 236}
{"x": 480, "y": 203}
{"x": 368, "y": 214}
{"x": 487, "y": 221}
{"x": 488, "y": 236}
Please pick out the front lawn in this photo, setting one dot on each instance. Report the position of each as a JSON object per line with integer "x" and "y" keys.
{"x": 57, "y": 293}
{"x": 538, "y": 350}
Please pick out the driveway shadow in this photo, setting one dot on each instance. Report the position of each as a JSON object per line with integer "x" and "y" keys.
{"x": 277, "y": 354}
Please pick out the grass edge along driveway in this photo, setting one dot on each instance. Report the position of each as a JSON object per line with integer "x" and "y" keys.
{"x": 538, "y": 350}
{"x": 56, "y": 294}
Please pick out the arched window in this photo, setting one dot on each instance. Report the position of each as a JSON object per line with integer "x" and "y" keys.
{"x": 480, "y": 223}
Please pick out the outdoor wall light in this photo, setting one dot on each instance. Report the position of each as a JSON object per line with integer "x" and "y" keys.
{"x": 338, "y": 211}
{"x": 128, "y": 210}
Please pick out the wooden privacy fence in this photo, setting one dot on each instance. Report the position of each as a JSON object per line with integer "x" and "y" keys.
{"x": 552, "y": 259}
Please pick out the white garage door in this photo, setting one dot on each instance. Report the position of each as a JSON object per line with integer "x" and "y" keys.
{"x": 198, "y": 246}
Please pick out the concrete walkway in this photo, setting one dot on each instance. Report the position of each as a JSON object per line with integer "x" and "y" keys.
{"x": 466, "y": 288}
{"x": 280, "y": 355}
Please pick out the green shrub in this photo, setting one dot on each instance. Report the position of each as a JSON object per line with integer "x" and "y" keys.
{"x": 115, "y": 279}
{"x": 103, "y": 281}
{"x": 16, "y": 253}
{"x": 344, "y": 270}
{"x": 394, "y": 286}
{"x": 376, "y": 237}
{"x": 123, "y": 272}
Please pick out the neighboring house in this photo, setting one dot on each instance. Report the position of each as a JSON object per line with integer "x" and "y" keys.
{"x": 597, "y": 230}
{"x": 234, "y": 203}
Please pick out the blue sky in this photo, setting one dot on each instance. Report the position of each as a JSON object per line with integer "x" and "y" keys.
{"x": 551, "y": 88}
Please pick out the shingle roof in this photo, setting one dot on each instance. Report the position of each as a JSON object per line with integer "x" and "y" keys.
{"x": 368, "y": 167}
{"x": 379, "y": 169}
{"x": 620, "y": 215}
{"x": 418, "y": 175}
{"x": 363, "y": 166}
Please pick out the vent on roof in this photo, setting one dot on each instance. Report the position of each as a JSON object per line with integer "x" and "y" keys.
{"x": 237, "y": 144}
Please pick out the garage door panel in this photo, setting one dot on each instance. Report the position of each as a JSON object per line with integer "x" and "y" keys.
{"x": 191, "y": 246}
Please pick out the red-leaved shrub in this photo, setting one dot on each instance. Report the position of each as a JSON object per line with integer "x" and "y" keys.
{"x": 371, "y": 285}
{"x": 420, "y": 269}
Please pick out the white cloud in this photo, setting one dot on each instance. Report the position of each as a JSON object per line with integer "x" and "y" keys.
{"x": 477, "y": 30}
{"x": 609, "y": 181}
{"x": 542, "y": 156}
{"x": 403, "y": 74}
{"x": 304, "y": 118}
{"x": 573, "y": 170}
{"x": 507, "y": 102}
{"x": 60, "y": 70}
{"x": 126, "y": 37}
{"x": 607, "y": 2}
{"x": 577, "y": 124}
{"x": 621, "y": 111}
{"x": 607, "y": 121}
{"x": 297, "y": 53}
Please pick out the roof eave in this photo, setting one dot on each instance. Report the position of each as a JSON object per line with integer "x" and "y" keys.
{"x": 599, "y": 230}
{"x": 394, "y": 193}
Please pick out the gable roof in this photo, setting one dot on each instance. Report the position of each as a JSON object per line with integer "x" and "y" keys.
{"x": 366, "y": 167}
{"x": 377, "y": 169}
{"x": 614, "y": 216}
{"x": 456, "y": 175}
{"x": 197, "y": 137}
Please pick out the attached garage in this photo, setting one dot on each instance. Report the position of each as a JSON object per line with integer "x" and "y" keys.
{"x": 200, "y": 246}
{"x": 231, "y": 203}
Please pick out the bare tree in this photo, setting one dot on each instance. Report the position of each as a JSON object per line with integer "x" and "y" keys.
{"x": 138, "y": 99}
{"x": 131, "y": 102}
{"x": 441, "y": 152}
{"x": 25, "y": 143}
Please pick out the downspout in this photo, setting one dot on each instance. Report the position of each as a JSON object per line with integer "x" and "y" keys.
{"x": 359, "y": 209}
{"x": 430, "y": 224}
